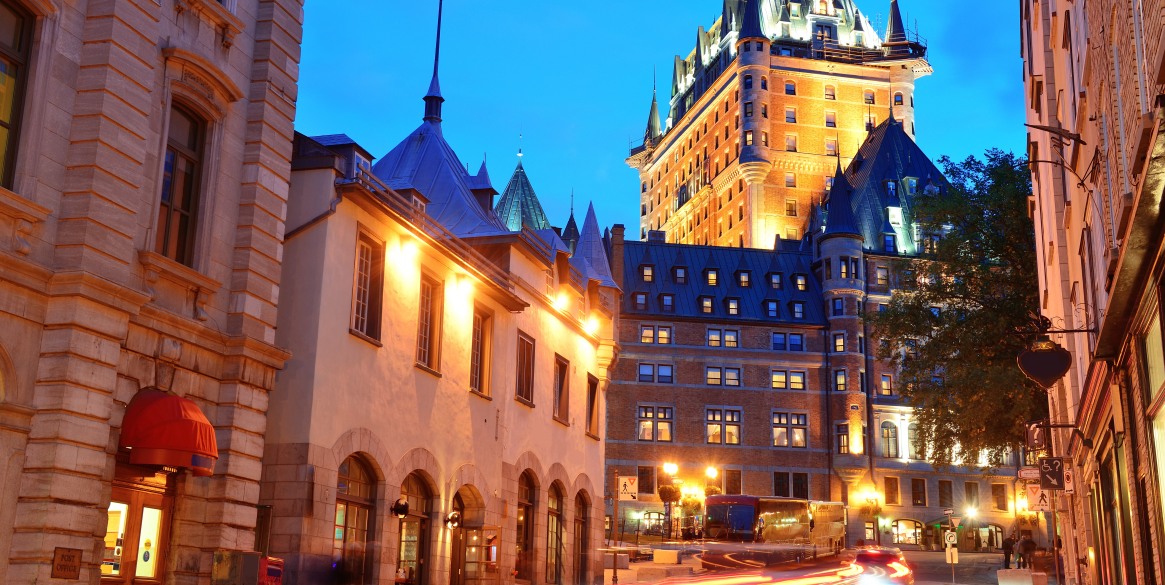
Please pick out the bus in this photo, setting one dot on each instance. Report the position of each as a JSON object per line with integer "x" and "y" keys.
{"x": 755, "y": 531}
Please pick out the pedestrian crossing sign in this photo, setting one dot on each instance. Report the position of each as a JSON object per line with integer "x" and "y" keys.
{"x": 628, "y": 488}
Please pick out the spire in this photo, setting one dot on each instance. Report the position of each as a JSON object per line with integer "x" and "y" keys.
{"x": 519, "y": 206}
{"x": 653, "y": 126}
{"x": 840, "y": 220}
{"x": 433, "y": 98}
{"x": 520, "y": 150}
{"x": 895, "y": 31}
{"x": 750, "y": 28}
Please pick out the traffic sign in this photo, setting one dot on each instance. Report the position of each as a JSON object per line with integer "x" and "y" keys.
{"x": 1031, "y": 473}
{"x": 1038, "y": 499}
{"x": 948, "y": 511}
{"x": 951, "y": 537}
{"x": 1069, "y": 482}
{"x": 1052, "y": 473}
{"x": 628, "y": 488}
{"x": 1037, "y": 435}
{"x": 955, "y": 521}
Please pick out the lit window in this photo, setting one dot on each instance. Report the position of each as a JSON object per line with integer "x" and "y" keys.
{"x": 712, "y": 276}
{"x": 648, "y": 273}
{"x": 889, "y": 440}
{"x": 663, "y": 335}
{"x": 791, "y": 207}
{"x": 799, "y": 282}
{"x": 714, "y": 337}
{"x": 655, "y": 423}
{"x": 731, "y": 376}
{"x": 722, "y": 426}
{"x": 790, "y": 429}
{"x": 842, "y": 434}
{"x": 748, "y": 137}
{"x": 733, "y": 306}
{"x": 731, "y": 338}
{"x": 882, "y": 275}
{"x": 368, "y": 288}
{"x": 839, "y": 380}
{"x": 780, "y": 379}
{"x": 838, "y": 342}
{"x": 796, "y": 380}
{"x": 791, "y": 143}
{"x": 429, "y": 322}
{"x": 764, "y": 138}
{"x": 706, "y": 304}
{"x": 713, "y": 376}
{"x": 887, "y": 385}
{"x": 743, "y": 278}
{"x": 646, "y": 334}
{"x": 775, "y": 280}
{"x": 15, "y": 51}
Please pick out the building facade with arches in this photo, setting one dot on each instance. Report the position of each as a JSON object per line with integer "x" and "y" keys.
{"x": 442, "y": 419}
{"x": 146, "y": 149}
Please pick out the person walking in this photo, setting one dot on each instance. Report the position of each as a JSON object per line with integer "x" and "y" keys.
{"x": 1008, "y": 550}
{"x": 1027, "y": 547}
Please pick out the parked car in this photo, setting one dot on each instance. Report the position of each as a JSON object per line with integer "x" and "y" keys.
{"x": 881, "y": 566}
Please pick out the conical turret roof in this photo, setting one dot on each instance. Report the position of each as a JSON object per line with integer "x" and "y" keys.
{"x": 590, "y": 257}
{"x": 519, "y": 206}
{"x": 840, "y": 220}
{"x": 750, "y": 28}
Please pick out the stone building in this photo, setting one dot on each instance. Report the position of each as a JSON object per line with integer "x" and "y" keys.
{"x": 760, "y": 109}
{"x": 442, "y": 419}
{"x": 1092, "y": 75}
{"x": 753, "y": 371}
{"x": 146, "y": 149}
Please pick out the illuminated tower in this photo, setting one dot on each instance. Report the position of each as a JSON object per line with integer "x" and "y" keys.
{"x": 759, "y": 110}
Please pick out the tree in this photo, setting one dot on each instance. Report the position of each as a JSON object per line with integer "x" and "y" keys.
{"x": 963, "y": 311}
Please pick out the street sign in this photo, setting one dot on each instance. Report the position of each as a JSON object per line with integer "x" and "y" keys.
{"x": 1052, "y": 473}
{"x": 948, "y": 511}
{"x": 951, "y": 537}
{"x": 955, "y": 521}
{"x": 1069, "y": 482}
{"x": 628, "y": 488}
{"x": 1037, "y": 435}
{"x": 1031, "y": 473}
{"x": 1038, "y": 499}
{"x": 952, "y": 552}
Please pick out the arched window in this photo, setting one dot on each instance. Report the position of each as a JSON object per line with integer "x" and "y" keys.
{"x": 907, "y": 532}
{"x": 582, "y": 512}
{"x": 178, "y": 210}
{"x": 915, "y": 442}
{"x": 355, "y": 508}
{"x": 15, "y": 49}
{"x": 527, "y": 497}
{"x": 790, "y": 88}
{"x": 554, "y": 535}
{"x": 414, "y": 529}
{"x": 889, "y": 440}
{"x": 764, "y": 82}
{"x": 897, "y": 98}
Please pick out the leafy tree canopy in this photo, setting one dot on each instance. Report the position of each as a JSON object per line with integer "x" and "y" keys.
{"x": 962, "y": 313}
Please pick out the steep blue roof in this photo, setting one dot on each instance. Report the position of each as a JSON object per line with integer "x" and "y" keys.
{"x": 519, "y": 206}
{"x": 840, "y": 220}
{"x": 590, "y": 256}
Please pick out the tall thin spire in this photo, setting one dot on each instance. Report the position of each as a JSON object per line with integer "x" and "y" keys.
{"x": 433, "y": 98}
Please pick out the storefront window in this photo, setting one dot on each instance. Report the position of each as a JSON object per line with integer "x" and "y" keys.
{"x": 524, "y": 561}
{"x": 354, "y": 491}
{"x": 554, "y": 536}
{"x": 414, "y": 530}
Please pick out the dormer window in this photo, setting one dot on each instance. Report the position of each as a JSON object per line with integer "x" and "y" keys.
{"x": 744, "y": 278}
{"x": 911, "y": 185}
{"x": 771, "y": 309}
{"x": 888, "y": 244}
{"x": 667, "y": 303}
{"x": 800, "y": 282}
{"x": 706, "y": 305}
{"x": 640, "y": 300}
{"x": 858, "y": 39}
{"x": 798, "y": 310}
{"x": 680, "y": 275}
{"x": 795, "y": 10}
{"x": 775, "y": 280}
{"x": 648, "y": 272}
{"x": 712, "y": 276}
{"x": 733, "y": 306}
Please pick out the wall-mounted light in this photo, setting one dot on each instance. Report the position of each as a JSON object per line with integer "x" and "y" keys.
{"x": 592, "y": 325}
{"x": 453, "y": 520}
{"x": 400, "y": 508}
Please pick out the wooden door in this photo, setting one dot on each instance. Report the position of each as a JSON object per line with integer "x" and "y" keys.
{"x": 135, "y": 549}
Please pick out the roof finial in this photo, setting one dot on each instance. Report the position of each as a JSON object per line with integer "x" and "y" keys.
{"x": 572, "y": 200}
{"x": 433, "y": 98}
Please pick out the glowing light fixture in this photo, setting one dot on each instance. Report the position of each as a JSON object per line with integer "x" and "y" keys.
{"x": 711, "y": 472}
{"x": 592, "y": 325}
{"x": 670, "y": 468}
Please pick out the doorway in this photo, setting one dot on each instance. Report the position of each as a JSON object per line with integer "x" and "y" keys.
{"x": 138, "y": 521}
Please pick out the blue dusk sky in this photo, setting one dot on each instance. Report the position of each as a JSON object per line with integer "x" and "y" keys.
{"x": 575, "y": 80}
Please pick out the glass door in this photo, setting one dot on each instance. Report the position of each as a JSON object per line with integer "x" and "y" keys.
{"x": 134, "y": 549}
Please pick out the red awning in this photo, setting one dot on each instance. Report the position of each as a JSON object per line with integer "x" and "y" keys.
{"x": 164, "y": 429}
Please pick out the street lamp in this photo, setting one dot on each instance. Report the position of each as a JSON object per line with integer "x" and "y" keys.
{"x": 873, "y": 510}
{"x": 671, "y": 469}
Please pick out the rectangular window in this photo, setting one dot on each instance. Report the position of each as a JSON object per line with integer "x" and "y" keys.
{"x": 663, "y": 373}
{"x": 946, "y": 497}
{"x": 780, "y": 379}
{"x": 791, "y": 115}
{"x": 790, "y": 429}
{"x": 799, "y": 282}
{"x": 779, "y": 342}
{"x": 764, "y": 111}
{"x": 731, "y": 376}
{"x": 648, "y": 273}
{"x": 791, "y": 207}
{"x": 842, "y": 433}
{"x": 479, "y": 353}
{"x": 764, "y": 137}
{"x": 771, "y": 309}
{"x": 999, "y": 497}
{"x": 646, "y": 334}
{"x": 663, "y": 335}
{"x": 790, "y": 180}
{"x": 796, "y": 380}
{"x": 714, "y": 338}
{"x": 368, "y": 288}
{"x": 747, "y": 109}
{"x": 790, "y": 143}
{"x": 838, "y": 306}
{"x": 181, "y": 173}
{"x": 731, "y": 338}
{"x": 429, "y": 322}
{"x": 656, "y": 423}
{"x": 646, "y": 475}
{"x": 887, "y": 388}
{"x": 882, "y": 275}
{"x": 790, "y": 88}
{"x": 830, "y": 92}
{"x": 891, "y": 490}
{"x": 796, "y": 342}
{"x": 593, "y": 406}
{"x": 918, "y": 491}
{"x": 646, "y": 372}
{"x": 838, "y": 342}
{"x": 561, "y": 388}
{"x": 713, "y": 376}
{"x": 798, "y": 310}
{"x": 732, "y": 481}
{"x": 830, "y": 119}
{"x": 839, "y": 380}
{"x": 706, "y": 304}
{"x": 733, "y": 306}
{"x": 667, "y": 303}
{"x": 743, "y": 278}
{"x": 722, "y": 426}
{"x": 775, "y": 281}
{"x": 831, "y": 147}
{"x": 640, "y": 300}
{"x": 786, "y": 484}
{"x": 971, "y": 493}
{"x": 712, "y": 276}
{"x": 680, "y": 275}
{"x": 525, "y": 374}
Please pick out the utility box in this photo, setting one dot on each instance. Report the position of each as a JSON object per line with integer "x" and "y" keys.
{"x": 236, "y": 567}
{"x": 271, "y": 571}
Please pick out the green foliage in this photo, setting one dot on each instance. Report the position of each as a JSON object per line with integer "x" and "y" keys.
{"x": 711, "y": 490}
{"x": 669, "y": 493}
{"x": 963, "y": 310}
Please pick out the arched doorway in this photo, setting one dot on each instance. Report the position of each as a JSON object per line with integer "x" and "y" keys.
{"x": 554, "y": 530}
{"x": 524, "y": 534}
{"x": 907, "y": 532}
{"x": 474, "y": 546}
{"x": 413, "y": 547}
{"x": 582, "y": 531}
{"x": 355, "y": 509}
